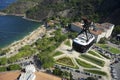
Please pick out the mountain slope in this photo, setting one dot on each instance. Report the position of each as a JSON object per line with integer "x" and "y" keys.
{"x": 96, "y": 10}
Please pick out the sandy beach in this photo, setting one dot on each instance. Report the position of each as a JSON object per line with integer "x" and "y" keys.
{"x": 27, "y": 40}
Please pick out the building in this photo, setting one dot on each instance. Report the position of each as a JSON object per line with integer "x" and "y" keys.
{"x": 99, "y": 30}
{"x": 29, "y": 73}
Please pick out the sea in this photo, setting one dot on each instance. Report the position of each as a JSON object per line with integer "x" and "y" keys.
{"x": 13, "y": 28}
{"x": 5, "y": 3}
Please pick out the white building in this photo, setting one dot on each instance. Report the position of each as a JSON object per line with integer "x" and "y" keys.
{"x": 29, "y": 73}
{"x": 99, "y": 30}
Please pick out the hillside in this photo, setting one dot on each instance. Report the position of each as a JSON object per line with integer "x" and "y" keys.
{"x": 96, "y": 10}
{"x": 21, "y": 6}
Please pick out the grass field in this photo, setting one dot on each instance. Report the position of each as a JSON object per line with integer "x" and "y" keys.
{"x": 96, "y": 72}
{"x": 66, "y": 61}
{"x": 57, "y": 53}
{"x": 109, "y": 48}
{"x": 94, "y": 54}
{"x": 67, "y": 43}
{"x": 84, "y": 64}
{"x": 107, "y": 57}
{"x": 93, "y": 60}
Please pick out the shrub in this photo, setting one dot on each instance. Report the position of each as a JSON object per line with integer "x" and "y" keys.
{"x": 2, "y": 69}
{"x": 14, "y": 67}
{"x": 102, "y": 40}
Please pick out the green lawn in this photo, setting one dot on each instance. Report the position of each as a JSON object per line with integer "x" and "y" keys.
{"x": 94, "y": 53}
{"x": 93, "y": 60}
{"x": 96, "y": 72}
{"x": 84, "y": 64}
{"x": 104, "y": 55}
{"x": 66, "y": 61}
{"x": 67, "y": 43}
{"x": 57, "y": 53}
{"x": 109, "y": 48}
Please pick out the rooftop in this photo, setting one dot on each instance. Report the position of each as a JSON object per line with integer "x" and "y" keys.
{"x": 98, "y": 28}
{"x": 27, "y": 76}
{"x": 82, "y": 39}
{"x": 29, "y": 73}
{"x": 30, "y": 68}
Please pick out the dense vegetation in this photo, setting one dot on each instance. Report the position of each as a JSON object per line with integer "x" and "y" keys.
{"x": 116, "y": 30}
{"x": 21, "y": 6}
{"x": 103, "y": 40}
{"x": 47, "y": 46}
{"x": 2, "y": 69}
{"x": 96, "y": 10}
{"x": 14, "y": 67}
{"x": 10, "y": 68}
{"x": 73, "y": 9}
{"x": 26, "y": 51}
{"x": 64, "y": 74}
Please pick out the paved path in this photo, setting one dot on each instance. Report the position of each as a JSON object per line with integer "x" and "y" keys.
{"x": 73, "y": 54}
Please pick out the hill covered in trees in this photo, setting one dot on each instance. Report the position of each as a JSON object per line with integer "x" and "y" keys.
{"x": 96, "y": 10}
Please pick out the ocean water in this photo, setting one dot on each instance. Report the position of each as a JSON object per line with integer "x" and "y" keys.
{"x": 13, "y": 28}
{"x": 5, "y": 3}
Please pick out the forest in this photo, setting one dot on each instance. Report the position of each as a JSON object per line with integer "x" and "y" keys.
{"x": 96, "y": 10}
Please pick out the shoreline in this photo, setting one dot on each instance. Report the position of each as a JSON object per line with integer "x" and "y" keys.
{"x": 19, "y": 15}
{"x": 26, "y": 40}
{"x": 24, "y": 17}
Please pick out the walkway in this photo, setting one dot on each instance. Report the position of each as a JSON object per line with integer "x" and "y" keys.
{"x": 75, "y": 55}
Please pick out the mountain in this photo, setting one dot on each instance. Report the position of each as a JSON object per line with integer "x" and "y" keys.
{"x": 96, "y": 10}
{"x": 20, "y": 6}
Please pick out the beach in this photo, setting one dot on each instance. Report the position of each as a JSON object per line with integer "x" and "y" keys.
{"x": 27, "y": 40}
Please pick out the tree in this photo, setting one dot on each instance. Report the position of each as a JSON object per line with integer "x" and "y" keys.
{"x": 102, "y": 40}
{"x": 116, "y": 30}
{"x": 3, "y": 61}
{"x": 2, "y": 69}
{"x": 46, "y": 60}
{"x": 66, "y": 74}
{"x": 14, "y": 67}
{"x": 3, "y": 52}
{"x": 72, "y": 34}
{"x": 57, "y": 72}
{"x": 71, "y": 76}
